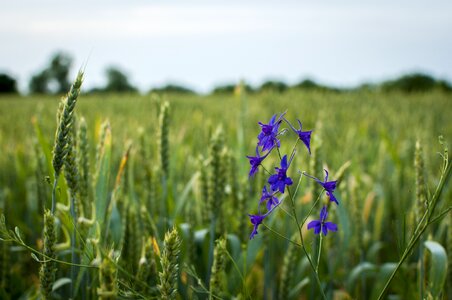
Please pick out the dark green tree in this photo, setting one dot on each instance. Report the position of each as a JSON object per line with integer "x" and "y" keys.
{"x": 7, "y": 84}
{"x": 274, "y": 86}
{"x": 411, "y": 83}
{"x": 54, "y": 78}
{"x": 310, "y": 85}
{"x": 224, "y": 89}
{"x": 231, "y": 88}
{"x": 307, "y": 84}
{"x": 59, "y": 71}
{"x": 39, "y": 83}
{"x": 172, "y": 88}
{"x": 117, "y": 81}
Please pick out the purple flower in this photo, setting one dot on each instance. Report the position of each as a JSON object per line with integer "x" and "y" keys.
{"x": 305, "y": 136}
{"x": 329, "y": 186}
{"x": 256, "y": 220}
{"x": 272, "y": 201}
{"x": 255, "y": 161}
{"x": 279, "y": 180}
{"x": 267, "y": 137}
{"x": 321, "y": 224}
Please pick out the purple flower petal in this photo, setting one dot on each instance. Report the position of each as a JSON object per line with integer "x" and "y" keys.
{"x": 256, "y": 220}
{"x": 330, "y": 226}
{"x": 329, "y": 186}
{"x": 332, "y": 197}
{"x": 321, "y": 225}
{"x": 317, "y": 229}
{"x": 314, "y": 223}
{"x": 284, "y": 162}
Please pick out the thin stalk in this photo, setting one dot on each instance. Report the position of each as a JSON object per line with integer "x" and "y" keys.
{"x": 236, "y": 267}
{"x": 422, "y": 226}
{"x": 48, "y": 258}
{"x": 318, "y": 254}
{"x": 73, "y": 242}
{"x": 303, "y": 246}
{"x": 55, "y": 182}
{"x": 211, "y": 248}
{"x": 441, "y": 215}
{"x": 281, "y": 236}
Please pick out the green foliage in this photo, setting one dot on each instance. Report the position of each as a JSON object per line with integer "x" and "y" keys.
{"x": 7, "y": 84}
{"x": 232, "y": 88}
{"x": 48, "y": 267}
{"x": 117, "y": 81}
{"x": 170, "y": 265}
{"x": 54, "y": 78}
{"x": 437, "y": 272}
{"x": 367, "y": 138}
{"x": 310, "y": 85}
{"x": 414, "y": 83}
{"x": 172, "y": 89}
{"x": 273, "y": 86}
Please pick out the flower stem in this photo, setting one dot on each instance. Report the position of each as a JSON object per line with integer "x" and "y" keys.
{"x": 316, "y": 275}
{"x": 318, "y": 254}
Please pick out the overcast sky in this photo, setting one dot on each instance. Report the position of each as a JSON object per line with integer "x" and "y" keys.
{"x": 204, "y": 43}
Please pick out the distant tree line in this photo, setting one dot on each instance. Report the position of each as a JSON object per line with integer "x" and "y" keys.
{"x": 54, "y": 79}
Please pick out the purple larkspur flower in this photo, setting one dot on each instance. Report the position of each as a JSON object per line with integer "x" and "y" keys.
{"x": 256, "y": 220}
{"x": 321, "y": 225}
{"x": 271, "y": 199}
{"x": 329, "y": 186}
{"x": 279, "y": 180}
{"x": 304, "y": 136}
{"x": 255, "y": 161}
{"x": 267, "y": 137}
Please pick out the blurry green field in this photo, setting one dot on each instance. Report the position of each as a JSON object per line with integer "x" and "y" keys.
{"x": 375, "y": 132}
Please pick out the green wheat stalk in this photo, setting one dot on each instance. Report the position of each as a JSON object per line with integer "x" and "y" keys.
{"x": 48, "y": 268}
{"x": 170, "y": 265}
{"x": 65, "y": 120}
{"x": 83, "y": 167}
{"x": 216, "y": 285}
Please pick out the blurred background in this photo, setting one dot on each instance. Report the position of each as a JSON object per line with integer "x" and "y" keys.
{"x": 203, "y": 44}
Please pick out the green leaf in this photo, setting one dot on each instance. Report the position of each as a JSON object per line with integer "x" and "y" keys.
{"x": 35, "y": 257}
{"x": 103, "y": 176}
{"x": 363, "y": 269}
{"x": 374, "y": 250}
{"x": 296, "y": 290}
{"x": 60, "y": 282}
{"x": 17, "y": 231}
{"x": 384, "y": 272}
{"x": 46, "y": 148}
{"x": 184, "y": 195}
{"x": 438, "y": 268}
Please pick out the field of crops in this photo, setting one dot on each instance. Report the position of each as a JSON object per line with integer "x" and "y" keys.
{"x": 159, "y": 191}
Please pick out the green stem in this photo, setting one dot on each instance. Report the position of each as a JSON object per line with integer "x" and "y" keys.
{"x": 294, "y": 212}
{"x": 236, "y": 267}
{"x": 211, "y": 249}
{"x": 281, "y": 236}
{"x": 422, "y": 226}
{"x": 440, "y": 215}
{"x": 318, "y": 254}
{"x": 73, "y": 242}
{"x": 55, "y": 183}
{"x": 48, "y": 258}
{"x": 316, "y": 275}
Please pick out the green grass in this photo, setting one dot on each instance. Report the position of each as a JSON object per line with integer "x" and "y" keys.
{"x": 376, "y": 132}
